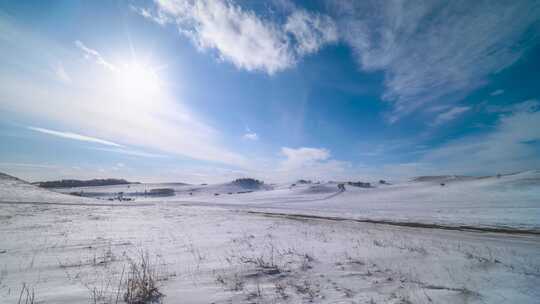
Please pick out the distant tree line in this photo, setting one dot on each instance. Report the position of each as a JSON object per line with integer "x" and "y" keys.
{"x": 249, "y": 183}
{"x": 70, "y": 183}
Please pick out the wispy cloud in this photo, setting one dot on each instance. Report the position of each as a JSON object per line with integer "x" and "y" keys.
{"x": 130, "y": 152}
{"x": 251, "y": 136}
{"x": 497, "y": 92}
{"x": 61, "y": 73}
{"x": 530, "y": 105}
{"x": 449, "y": 115}
{"x": 158, "y": 17}
{"x": 243, "y": 38}
{"x": 74, "y": 136}
{"x": 512, "y": 145}
{"x": 27, "y": 165}
{"x": 435, "y": 51}
{"x": 311, "y": 31}
{"x": 92, "y": 54}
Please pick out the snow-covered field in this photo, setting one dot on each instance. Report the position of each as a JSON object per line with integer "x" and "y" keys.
{"x": 509, "y": 201}
{"x": 208, "y": 248}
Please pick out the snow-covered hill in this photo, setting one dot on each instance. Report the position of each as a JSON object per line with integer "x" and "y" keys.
{"x": 13, "y": 189}
{"x": 509, "y": 200}
{"x": 494, "y": 201}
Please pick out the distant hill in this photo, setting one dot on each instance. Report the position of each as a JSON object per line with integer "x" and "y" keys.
{"x": 9, "y": 177}
{"x": 71, "y": 183}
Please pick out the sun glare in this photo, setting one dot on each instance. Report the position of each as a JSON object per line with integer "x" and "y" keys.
{"x": 137, "y": 80}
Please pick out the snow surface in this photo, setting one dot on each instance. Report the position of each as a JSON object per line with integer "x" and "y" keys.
{"x": 506, "y": 201}
{"x": 69, "y": 249}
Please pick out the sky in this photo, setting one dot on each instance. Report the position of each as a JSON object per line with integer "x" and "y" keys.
{"x": 212, "y": 90}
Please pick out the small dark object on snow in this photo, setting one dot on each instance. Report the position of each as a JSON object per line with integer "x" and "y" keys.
{"x": 241, "y": 192}
{"x": 359, "y": 184}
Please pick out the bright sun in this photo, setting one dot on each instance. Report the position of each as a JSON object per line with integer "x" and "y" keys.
{"x": 137, "y": 80}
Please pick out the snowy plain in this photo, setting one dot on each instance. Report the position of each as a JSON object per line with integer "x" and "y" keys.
{"x": 208, "y": 248}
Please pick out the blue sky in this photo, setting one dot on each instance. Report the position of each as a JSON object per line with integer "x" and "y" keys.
{"x": 207, "y": 91}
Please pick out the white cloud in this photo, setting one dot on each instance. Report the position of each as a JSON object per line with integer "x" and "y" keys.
{"x": 239, "y": 36}
{"x": 303, "y": 162}
{"x": 74, "y": 136}
{"x": 157, "y": 17}
{"x": 302, "y": 157}
{"x": 311, "y": 31}
{"x": 92, "y": 54}
{"x": 61, "y": 73}
{"x": 513, "y": 145}
{"x": 497, "y": 92}
{"x": 531, "y": 105}
{"x": 251, "y": 136}
{"x": 450, "y": 115}
{"x": 431, "y": 50}
{"x": 246, "y": 40}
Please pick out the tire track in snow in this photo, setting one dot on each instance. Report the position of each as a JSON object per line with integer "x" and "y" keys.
{"x": 494, "y": 229}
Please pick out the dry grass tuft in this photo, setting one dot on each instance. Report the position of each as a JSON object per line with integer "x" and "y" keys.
{"x": 27, "y": 295}
{"x": 141, "y": 281}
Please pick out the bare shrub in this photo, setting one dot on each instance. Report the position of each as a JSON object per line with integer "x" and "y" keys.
{"x": 233, "y": 282}
{"x": 27, "y": 295}
{"x": 141, "y": 281}
{"x": 264, "y": 274}
{"x": 257, "y": 291}
{"x": 308, "y": 289}
{"x": 306, "y": 262}
{"x": 281, "y": 289}
{"x": 267, "y": 264}
{"x": 135, "y": 280}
